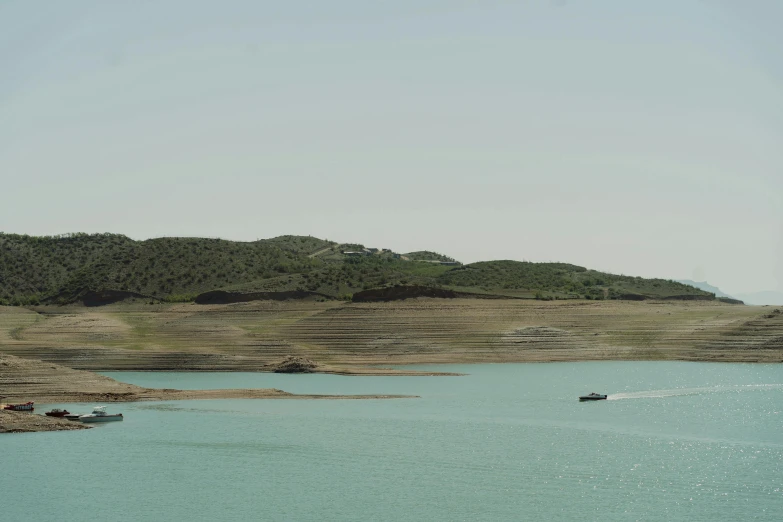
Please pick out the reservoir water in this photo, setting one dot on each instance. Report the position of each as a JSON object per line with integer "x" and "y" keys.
{"x": 675, "y": 441}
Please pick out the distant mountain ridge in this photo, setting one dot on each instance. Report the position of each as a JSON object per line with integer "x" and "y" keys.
{"x": 98, "y": 269}
{"x": 769, "y": 297}
{"x": 704, "y": 285}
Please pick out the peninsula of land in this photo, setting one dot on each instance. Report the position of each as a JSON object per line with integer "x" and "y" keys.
{"x": 24, "y": 380}
{"x": 34, "y": 380}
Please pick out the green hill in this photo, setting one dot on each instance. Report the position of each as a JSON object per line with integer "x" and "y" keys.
{"x": 426, "y": 255}
{"x": 61, "y": 269}
{"x": 36, "y": 268}
{"x": 559, "y": 280}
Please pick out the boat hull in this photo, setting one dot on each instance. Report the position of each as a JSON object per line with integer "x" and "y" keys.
{"x": 20, "y": 407}
{"x": 589, "y": 398}
{"x": 56, "y": 413}
{"x": 100, "y": 418}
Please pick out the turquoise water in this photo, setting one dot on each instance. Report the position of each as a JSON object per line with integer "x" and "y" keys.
{"x": 676, "y": 441}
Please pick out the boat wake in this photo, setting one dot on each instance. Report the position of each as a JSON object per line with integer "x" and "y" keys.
{"x": 659, "y": 394}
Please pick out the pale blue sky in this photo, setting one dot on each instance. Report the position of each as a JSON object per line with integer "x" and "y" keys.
{"x": 634, "y": 137}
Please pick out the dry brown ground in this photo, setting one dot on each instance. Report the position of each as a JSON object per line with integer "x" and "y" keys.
{"x": 20, "y": 422}
{"x": 349, "y": 337}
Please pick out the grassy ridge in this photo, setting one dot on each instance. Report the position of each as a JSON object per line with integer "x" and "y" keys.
{"x": 559, "y": 279}
{"x": 59, "y": 268}
{"x": 426, "y": 255}
{"x": 34, "y": 268}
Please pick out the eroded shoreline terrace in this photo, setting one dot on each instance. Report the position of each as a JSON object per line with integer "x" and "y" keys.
{"x": 357, "y": 337}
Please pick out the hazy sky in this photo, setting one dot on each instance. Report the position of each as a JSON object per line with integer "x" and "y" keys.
{"x": 636, "y": 137}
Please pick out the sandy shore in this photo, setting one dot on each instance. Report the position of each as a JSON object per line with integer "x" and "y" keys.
{"x": 23, "y": 380}
{"x": 20, "y": 422}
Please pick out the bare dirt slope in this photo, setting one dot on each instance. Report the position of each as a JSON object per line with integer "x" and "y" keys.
{"x": 20, "y": 422}
{"x": 348, "y": 337}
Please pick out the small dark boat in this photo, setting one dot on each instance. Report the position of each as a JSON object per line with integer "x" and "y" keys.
{"x": 592, "y": 397}
{"x": 57, "y": 413}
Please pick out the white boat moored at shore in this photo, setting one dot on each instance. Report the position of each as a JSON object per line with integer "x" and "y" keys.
{"x": 99, "y": 415}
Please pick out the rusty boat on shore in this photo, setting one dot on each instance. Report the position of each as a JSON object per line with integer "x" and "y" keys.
{"x": 27, "y": 406}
